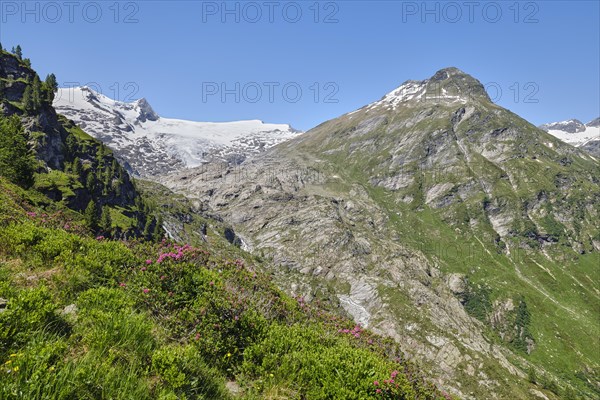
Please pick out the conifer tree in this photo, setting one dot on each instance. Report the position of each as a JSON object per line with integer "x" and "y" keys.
{"x": 16, "y": 162}
{"x": 105, "y": 219}
{"x": 148, "y": 228}
{"x": 27, "y": 101}
{"x": 50, "y": 86}
{"x": 90, "y": 181}
{"x": 36, "y": 93}
{"x": 77, "y": 169}
{"x": 91, "y": 215}
{"x": 157, "y": 233}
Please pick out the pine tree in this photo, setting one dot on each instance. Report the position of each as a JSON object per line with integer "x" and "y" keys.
{"x": 16, "y": 162}
{"x": 1, "y": 48}
{"x": 18, "y": 52}
{"x": 77, "y": 169}
{"x": 71, "y": 143}
{"x": 36, "y": 93}
{"x": 91, "y": 215}
{"x": 148, "y": 228}
{"x": 90, "y": 181}
{"x": 27, "y": 101}
{"x": 105, "y": 220}
{"x": 51, "y": 86}
{"x": 157, "y": 233}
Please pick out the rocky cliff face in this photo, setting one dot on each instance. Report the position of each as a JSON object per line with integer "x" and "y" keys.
{"x": 423, "y": 214}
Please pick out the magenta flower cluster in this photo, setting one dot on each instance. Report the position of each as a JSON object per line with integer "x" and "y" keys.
{"x": 389, "y": 386}
{"x": 356, "y": 331}
{"x": 177, "y": 254}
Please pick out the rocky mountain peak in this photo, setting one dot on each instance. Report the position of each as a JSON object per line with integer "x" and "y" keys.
{"x": 594, "y": 123}
{"x": 146, "y": 111}
{"x": 448, "y": 85}
{"x": 569, "y": 126}
{"x": 454, "y": 82}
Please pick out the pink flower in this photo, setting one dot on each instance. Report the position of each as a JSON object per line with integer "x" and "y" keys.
{"x": 32, "y": 214}
{"x": 67, "y": 226}
{"x": 212, "y": 283}
{"x": 146, "y": 290}
{"x": 148, "y": 262}
{"x": 162, "y": 277}
{"x": 378, "y": 391}
{"x": 122, "y": 284}
{"x": 197, "y": 336}
{"x": 376, "y": 383}
{"x": 143, "y": 269}
{"x": 99, "y": 238}
{"x": 394, "y": 374}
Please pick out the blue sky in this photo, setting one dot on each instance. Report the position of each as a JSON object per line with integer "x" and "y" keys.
{"x": 538, "y": 59}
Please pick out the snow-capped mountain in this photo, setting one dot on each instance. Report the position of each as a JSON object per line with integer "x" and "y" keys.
{"x": 578, "y": 134}
{"x": 151, "y": 145}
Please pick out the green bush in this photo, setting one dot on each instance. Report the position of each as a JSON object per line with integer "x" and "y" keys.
{"x": 29, "y": 311}
{"x": 317, "y": 364}
{"x": 185, "y": 375}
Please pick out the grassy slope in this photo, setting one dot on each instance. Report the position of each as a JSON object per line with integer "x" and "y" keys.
{"x": 85, "y": 318}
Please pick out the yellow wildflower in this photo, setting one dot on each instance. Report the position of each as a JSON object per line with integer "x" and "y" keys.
{"x": 16, "y": 368}
{"x": 13, "y": 355}
{"x": 8, "y": 362}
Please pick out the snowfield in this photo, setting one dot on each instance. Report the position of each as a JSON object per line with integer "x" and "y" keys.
{"x": 152, "y": 145}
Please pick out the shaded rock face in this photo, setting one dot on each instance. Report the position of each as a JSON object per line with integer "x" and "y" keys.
{"x": 341, "y": 211}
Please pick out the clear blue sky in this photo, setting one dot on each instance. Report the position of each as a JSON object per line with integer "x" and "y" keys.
{"x": 173, "y": 52}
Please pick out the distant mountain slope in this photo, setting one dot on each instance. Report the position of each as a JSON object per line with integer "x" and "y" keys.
{"x": 153, "y": 145}
{"x": 574, "y": 132}
{"x": 440, "y": 219}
